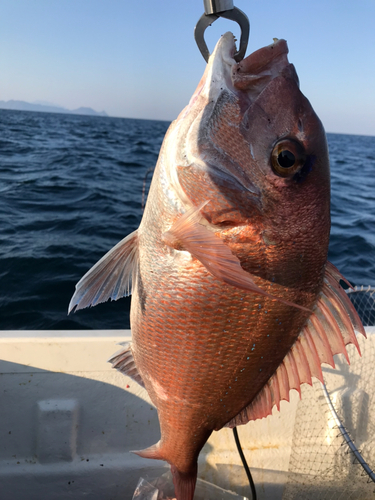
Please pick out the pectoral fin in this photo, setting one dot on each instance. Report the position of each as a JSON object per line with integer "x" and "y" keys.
{"x": 188, "y": 234}
{"x": 110, "y": 278}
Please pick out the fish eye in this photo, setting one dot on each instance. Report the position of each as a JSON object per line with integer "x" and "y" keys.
{"x": 287, "y": 157}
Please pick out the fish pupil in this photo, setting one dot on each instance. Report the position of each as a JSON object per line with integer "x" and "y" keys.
{"x": 286, "y": 159}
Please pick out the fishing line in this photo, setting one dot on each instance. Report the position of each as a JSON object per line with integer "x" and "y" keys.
{"x": 244, "y": 463}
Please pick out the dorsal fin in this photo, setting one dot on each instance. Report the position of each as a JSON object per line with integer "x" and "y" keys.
{"x": 188, "y": 234}
{"x": 329, "y": 329}
{"x": 110, "y": 278}
{"x": 123, "y": 361}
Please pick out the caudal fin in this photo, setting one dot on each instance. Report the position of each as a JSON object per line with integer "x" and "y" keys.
{"x": 184, "y": 483}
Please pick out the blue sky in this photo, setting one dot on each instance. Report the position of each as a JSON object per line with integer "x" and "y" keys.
{"x": 139, "y": 59}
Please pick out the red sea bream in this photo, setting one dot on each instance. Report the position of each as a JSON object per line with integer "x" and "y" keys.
{"x": 233, "y": 301}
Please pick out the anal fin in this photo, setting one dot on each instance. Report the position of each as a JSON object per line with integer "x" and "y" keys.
{"x": 329, "y": 329}
{"x": 153, "y": 452}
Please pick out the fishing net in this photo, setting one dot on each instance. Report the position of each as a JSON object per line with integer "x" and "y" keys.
{"x": 333, "y": 448}
{"x": 363, "y": 299}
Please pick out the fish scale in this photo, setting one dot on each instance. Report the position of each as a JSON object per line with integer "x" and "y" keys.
{"x": 233, "y": 301}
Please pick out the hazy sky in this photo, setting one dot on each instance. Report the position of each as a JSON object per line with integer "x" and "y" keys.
{"x": 139, "y": 59}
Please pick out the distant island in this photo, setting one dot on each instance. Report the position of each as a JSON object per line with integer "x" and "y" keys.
{"x": 48, "y": 108}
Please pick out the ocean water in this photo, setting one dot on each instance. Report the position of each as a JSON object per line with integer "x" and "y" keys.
{"x": 71, "y": 188}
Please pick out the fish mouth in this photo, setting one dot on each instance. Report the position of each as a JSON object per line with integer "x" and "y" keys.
{"x": 252, "y": 74}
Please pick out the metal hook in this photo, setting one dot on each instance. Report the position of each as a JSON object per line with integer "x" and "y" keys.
{"x": 222, "y": 8}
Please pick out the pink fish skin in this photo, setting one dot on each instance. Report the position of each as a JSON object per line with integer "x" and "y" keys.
{"x": 233, "y": 301}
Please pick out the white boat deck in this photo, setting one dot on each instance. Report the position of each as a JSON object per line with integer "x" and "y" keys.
{"x": 68, "y": 422}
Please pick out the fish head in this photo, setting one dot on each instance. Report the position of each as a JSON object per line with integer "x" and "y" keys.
{"x": 250, "y": 143}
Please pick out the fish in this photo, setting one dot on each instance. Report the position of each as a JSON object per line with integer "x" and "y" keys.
{"x": 234, "y": 303}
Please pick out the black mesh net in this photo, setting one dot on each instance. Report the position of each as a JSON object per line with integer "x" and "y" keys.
{"x": 363, "y": 299}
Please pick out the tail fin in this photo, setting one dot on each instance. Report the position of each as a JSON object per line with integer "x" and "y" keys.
{"x": 184, "y": 482}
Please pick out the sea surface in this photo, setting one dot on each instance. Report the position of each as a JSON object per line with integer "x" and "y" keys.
{"x": 71, "y": 188}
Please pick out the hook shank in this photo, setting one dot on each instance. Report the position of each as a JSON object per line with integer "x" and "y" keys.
{"x": 222, "y": 8}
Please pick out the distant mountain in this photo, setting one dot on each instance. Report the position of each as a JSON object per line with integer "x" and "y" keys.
{"x": 48, "y": 108}
{"x": 88, "y": 111}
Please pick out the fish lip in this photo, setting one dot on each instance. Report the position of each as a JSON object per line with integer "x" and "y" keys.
{"x": 254, "y": 73}
{"x": 224, "y": 50}
{"x": 220, "y": 64}
{"x": 264, "y": 57}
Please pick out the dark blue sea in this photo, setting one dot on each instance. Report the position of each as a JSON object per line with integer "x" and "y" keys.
{"x": 71, "y": 187}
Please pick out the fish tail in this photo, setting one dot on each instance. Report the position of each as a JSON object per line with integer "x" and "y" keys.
{"x": 184, "y": 482}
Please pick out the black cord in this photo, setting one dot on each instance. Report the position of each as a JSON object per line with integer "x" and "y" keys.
{"x": 244, "y": 463}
